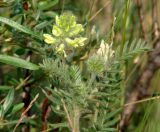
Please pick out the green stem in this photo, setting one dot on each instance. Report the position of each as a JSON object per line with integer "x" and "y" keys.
{"x": 73, "y": 118}
{"x": 125, "y": 26}
{"x": 93, "y": 76}
{"x": 123, "y": 43}
{"x": 76, "y": 119}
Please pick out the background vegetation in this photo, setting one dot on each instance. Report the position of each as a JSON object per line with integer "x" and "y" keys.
{"x": 79, "y": 65}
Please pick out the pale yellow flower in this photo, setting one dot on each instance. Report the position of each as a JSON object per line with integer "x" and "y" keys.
{"x": 76, "y": 42}
{"x": 60, "y": 48}
{"x": 49, "y": 39}
{"x": 65, "y": 34}
{"x": 56, "y": 31}
{"x": 105, "y": 51}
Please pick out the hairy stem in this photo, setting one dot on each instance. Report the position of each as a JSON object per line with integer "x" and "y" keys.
{"x": 76, "y": 119}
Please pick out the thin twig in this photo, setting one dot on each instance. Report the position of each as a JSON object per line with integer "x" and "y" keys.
{"x": 91, "y": 7}
{"x": 24, "y": 112}
{"x": 142, "y": 101}
{"x": 23, "y": 83}
{"x": 106, "y": 4}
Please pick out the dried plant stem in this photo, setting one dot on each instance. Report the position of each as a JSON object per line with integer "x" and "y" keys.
{"x": 141, "y": 18}
{"x": 23, "y": 115}
{"x": 23, "y": 83}
{"x": 45, "y": 113}
{"x": 142, "y": 101}
{"x": 106, "y": 4}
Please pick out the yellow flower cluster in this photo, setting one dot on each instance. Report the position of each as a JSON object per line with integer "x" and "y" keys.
{"x": 65, "y": 33}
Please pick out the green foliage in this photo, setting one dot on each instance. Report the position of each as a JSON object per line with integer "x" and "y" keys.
{"x": 78, "y": 72}
{"x": 132, "y": 49}
{"x": 96, "y": 65}
{"x": 44, "y": 5}
{"x": 4, "y": 87}
{"x": 19, "y": 27}
{"x": 18, "y": 62}
{"x": 7, "y": 104}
